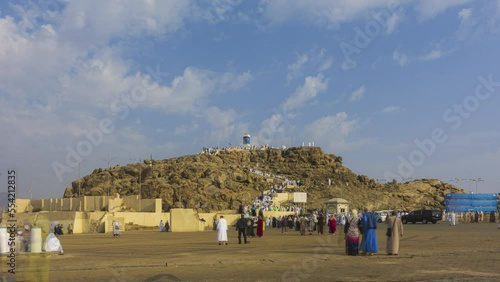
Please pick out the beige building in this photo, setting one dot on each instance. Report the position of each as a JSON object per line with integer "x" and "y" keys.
{"x": 90, "y": 214}
{"x": 337, "y": 205}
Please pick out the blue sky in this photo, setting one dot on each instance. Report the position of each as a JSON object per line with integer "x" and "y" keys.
{"x": 400, "y": 89}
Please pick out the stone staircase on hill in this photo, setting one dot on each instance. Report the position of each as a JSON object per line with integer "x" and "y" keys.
{"x": 95, "y": 224}
{"x": 279, "y": 198}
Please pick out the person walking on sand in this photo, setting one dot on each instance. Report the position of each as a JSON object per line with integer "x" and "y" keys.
{"x": 332, "y": 225}
{"x": 321, "y": 223}
{"x": 116, "y": 228}
{"x": 222, "y": 231}
{"x": 351, "y": 231}
{"x": 369, "y": 244}
{"x": 394, "y": 233}
{"x": 241, "y": 226}
{"x": 260, "y": 227}
{"x": 302, "y": 223}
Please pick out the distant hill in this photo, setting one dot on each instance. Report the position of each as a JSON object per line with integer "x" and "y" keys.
{"x": 227, "y": 179}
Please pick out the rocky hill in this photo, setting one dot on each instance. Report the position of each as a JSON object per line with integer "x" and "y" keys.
{"x": 227, "y": 179}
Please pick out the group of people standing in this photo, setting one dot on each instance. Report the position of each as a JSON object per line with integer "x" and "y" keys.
{"x": 164, "y": 227}
{"x": 469, "y": 217}
{"x": 244, "y": 226}
{"x": 360, "y": 230}
{"x": 365, "y": 227}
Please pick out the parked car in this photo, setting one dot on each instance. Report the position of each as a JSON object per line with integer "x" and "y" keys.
{"x": 382, "y": 215}
{"x": 424, "y": 216}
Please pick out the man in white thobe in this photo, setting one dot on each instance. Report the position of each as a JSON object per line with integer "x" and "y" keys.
{"x": 161, "y": 225}
{"x": 222, "y": 231}
{"x": 52, "y": 244}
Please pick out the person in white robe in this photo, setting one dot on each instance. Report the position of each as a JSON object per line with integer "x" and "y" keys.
{"x": 116, "y": 228}
{"x": 52, "y": 244}
{"x": 222, "y": 231}
{"x": 342, "y": 219}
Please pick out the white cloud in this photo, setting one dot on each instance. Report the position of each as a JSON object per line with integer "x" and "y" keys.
{"x": 295, "y": 68}
{"x": 61, "y": 78}
{"x": 391, "y": 109}
{"x": 428, "y": 9}
{"x": 357, "y": 94}
{"x": 464, "y": 15}
{"x": 232, "y": 81}
{"x": 303, "y": 94}
{"x": 186, "y": 92}
{"x": 274, "y": 130}
{"x": 324, "y": 13}
{"x": 223, "y": 123}
{"x": 392, "y": 23}
{"x": 400, "y": 58}
{"x": 221, "y": 10}
{"x": 184, "y": 129}
{"x": 327, "y": 64}
{"x": 132, "y": 134}
{"x": 494, "y": 19}
{"x": 467, "y": 24}
{"x": 432, "y": 55}
{"x": 483, "y": 139}
{"x": 309, "y": 61}
{"x": 95, "y": 22}
{"x": 332, "y": 132}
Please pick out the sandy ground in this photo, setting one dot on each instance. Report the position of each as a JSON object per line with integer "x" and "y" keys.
{"x": 429, "y": 252}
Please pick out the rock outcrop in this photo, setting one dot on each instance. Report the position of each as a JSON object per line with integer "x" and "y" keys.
{"x": 227, "y": 179}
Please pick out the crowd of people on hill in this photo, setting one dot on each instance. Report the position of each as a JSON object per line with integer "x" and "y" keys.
{"x": 209, "y": 151}
{"x": 215, "y": 150}
{"x": 261, "y": 173}
{"x": 285, "y": 181}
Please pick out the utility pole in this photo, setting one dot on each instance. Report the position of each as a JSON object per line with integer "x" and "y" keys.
{"x": 108, "y": 161}
{"x": 79, "y": 181}
{"x": 477, "y": 179}
{"x": 30, "y": 191}
{"x": 140, "y": 183}
{"x": 151, "y": 165}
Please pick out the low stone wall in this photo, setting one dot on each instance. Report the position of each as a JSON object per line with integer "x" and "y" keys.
{"x": 90, "y": 204}
{"x": 180, "y": 220}
{"x": 143, "y": 218}
{"x": 185, "y": 220}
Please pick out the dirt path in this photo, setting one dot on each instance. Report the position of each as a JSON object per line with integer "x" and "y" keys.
{"x": 432, "y": 252}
